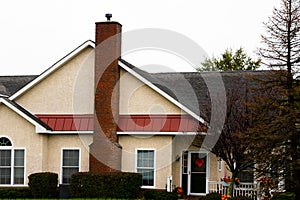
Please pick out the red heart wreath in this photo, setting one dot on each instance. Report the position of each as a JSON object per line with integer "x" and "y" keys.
{"x": 199, "y": 162}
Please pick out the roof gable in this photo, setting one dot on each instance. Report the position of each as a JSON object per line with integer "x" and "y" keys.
{"x": 158, "y": 86}
{"x": 39, "y": 125}
{"x": 53, "y": 68}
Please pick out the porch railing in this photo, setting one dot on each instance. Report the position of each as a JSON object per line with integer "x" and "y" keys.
{"x": 245, "y": 189}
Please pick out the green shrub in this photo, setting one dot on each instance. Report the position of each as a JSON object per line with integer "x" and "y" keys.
{"x": 122, "y": 185}
{"x": 213, "y": 196}
{"x": 240, "y": 198}
{"x": 15, "y": 193}
{"x": 284, "y": 196}
{"x": 43, "y": 184}
{"x": 86, "y": 185}
{"x": 105, "y": 185}
{"x": 159, "y": 195}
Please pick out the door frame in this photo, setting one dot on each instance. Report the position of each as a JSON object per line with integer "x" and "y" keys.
{"x": 189, "y": 171}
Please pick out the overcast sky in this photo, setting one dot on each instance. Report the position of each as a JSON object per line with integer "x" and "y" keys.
{"x": 35, "y": 34}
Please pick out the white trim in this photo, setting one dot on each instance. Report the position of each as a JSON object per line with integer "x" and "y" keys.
{"x": 181, "y": 163}
{"x": 154, "y": 164}
{"x": 220, "y": 164}
{"x": 189, "y": 171}
{"x": 66, "y": 132}
{"x": 54, "y": 67}
{"x": 167, "y": 96}
{"x": 38, "y": 127}
{"x": 61, "y": 161}
{"x": 24, "y": 181}
{"x": 12, "y": 165}
{"x": 159, "y": 133}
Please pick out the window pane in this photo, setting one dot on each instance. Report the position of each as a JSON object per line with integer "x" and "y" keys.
{"x": 5, "y": 142}
{"x": 246, "y": 176}
{"x": 148, "y": 176}
{"x": 19, "y": 158}
{"x": 19, "y": 175}
{"x": 70, "y": 164}
{"x": 67, "y": 173}
{"x": 145, "y": 166}
{"x": 71, "y": 158}
{"x": 5, "y": 157}
{"x": 145, "y": 158}
{"x": 5, "y": 175}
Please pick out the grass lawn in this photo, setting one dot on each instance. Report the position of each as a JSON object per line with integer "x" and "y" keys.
{"x": 67, "y": 199}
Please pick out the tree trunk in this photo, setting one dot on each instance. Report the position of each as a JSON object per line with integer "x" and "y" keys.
{"x": 231, "y": 186}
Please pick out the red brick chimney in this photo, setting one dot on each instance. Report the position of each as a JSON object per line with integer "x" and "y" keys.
{"x": 105, "y": 152}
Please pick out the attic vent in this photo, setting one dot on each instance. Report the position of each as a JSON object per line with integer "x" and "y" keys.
{"x": 108, "y": 16}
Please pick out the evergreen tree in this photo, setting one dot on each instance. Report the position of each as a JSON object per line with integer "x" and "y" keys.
{"x": 230, "y": 61}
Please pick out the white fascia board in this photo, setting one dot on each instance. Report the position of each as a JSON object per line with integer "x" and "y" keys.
{"x": 66, "y": 132}
{"x": 38, "y": 127}
{"x": 155, "y": 88}
{"x": 54, "y": 67}
{"x": 155, "y": 133}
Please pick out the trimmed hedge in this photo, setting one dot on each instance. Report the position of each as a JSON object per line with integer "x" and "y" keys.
{"x": 213, "y": 196}
{"x": 284, "y": 196}
{"x": 106, "y": 185}
{"x": 43, "y": 184}
{"x": 86, "y": 185}
{"x": 160, "y": 195}
{"x": 15, "y": 193}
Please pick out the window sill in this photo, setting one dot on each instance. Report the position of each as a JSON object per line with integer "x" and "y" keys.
{"x": 148, "y": 187}
{"x": 9, "y": 186}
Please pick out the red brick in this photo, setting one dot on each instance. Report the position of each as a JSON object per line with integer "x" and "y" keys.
{"x": 105, "y": 153}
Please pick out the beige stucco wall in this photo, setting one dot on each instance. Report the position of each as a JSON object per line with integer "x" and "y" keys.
{"x": 22, "y": 135}
{"x": 70, "y": 89}
{"x": 42, "y": 151}
{"x": 58, "y": 142}
{"x": 217, "y": 174}
{"x": 163, "y": 152}
{"x": 138, "y": 98}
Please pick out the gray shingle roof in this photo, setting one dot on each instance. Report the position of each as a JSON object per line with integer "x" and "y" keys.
{"x": 195, "y": 90}
{"x": 11, "y": 84}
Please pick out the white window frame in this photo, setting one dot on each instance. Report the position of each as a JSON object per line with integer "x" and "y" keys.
{"x": 220, "y": 164}
{"x": 61, "y": 162}
{"x": 154, "y": 165}
{"x": 12, "y": 166}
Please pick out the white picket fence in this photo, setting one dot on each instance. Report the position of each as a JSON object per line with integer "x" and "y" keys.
{"x": 245, "y": 189}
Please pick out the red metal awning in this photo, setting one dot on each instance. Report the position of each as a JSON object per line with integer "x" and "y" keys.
{"x": 159, "y": 123}
{"x": 68, "y": 122}
{"x": 130, "y": 123}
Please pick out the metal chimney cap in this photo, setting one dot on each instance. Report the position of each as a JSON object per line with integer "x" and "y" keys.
{"x": 108, "y": 16}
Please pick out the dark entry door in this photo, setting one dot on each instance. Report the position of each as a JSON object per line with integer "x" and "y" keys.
{"x": 197, "y": 173}
{"x": 194, "y": 174}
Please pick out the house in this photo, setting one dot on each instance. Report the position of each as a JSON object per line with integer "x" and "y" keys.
{"x": 94, "y": 111}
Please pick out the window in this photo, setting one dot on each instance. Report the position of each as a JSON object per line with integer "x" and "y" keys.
{"x": 247, "y": 175}
{"x": 12, "y": 162}
{"x": 220, "y": 163}
{"x": 145, "y": 166}
{"x": 70, "y": 164}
